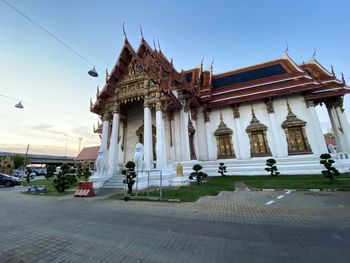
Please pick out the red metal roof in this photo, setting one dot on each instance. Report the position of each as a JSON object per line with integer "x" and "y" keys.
{"x": 88, "y": 154}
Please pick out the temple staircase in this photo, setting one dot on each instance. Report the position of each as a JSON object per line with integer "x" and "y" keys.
{"x": 116, "y": 182}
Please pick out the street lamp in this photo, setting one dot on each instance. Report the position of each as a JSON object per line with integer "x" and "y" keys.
{"x": 19, "y": 105}
{"x": 65, "y": 151}
{"x": 93, "y": 72}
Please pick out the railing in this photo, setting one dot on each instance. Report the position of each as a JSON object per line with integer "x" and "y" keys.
{"x": 148, "y": 197}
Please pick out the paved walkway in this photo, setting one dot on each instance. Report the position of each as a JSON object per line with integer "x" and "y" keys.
{"x": 231, "y": 227}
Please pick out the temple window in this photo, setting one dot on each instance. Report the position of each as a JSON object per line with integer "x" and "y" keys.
{"x": 223, "y": 136}
{"x": 295, "y": 133}
{"x": 257, "y": 136}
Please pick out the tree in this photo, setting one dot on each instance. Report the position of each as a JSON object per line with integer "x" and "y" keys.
{"x": 50, "y": 170}
{"x": 327, "y": 162}
{"x": 130, "y": 174}
{"x": 329, "y": 134}
{"x": 84, "y": 170}
{"x": 6, "y": 165}
{"x": 198, "y": 175}
{"x": 17, "y": 161}
{"x": 65, "y": 168}
{"x": 63, "y": 180}
{"x": 271, "y": 167}
{"x": 222, "y": 169}
{"x": 61, "y": 183}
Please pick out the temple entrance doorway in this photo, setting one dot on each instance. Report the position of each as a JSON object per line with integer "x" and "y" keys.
{"x": 140, "y": 136}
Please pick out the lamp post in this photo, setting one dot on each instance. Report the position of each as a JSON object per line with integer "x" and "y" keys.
{"x": 65, "y": 151}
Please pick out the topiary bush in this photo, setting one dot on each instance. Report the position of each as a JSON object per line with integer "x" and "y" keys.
{"x": 61, "y": 183}
{"x": 222, "y": 169}
{"x": 198, "y": 175}
{"x": 271, "y": 167}
{"x": 64, "y": 179}
{"x": 327, "y": 161}
{"x": 130, "y": 174}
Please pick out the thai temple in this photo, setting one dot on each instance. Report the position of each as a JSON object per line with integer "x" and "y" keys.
{"x": 241, "y": 117}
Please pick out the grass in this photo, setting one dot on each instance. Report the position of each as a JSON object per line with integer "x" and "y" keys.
{"x": 51, "y": 189}
{"x": 299, "y": 182}
{"x": 191, "y": 193}
{"x": 214, "y": 185}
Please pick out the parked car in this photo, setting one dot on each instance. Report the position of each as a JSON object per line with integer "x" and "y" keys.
{"x": 39, "y": 171}
{"x": 20, "y": 175}
{"x": 8, "y": 180}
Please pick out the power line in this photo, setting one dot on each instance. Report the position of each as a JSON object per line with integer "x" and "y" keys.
{"x": 47, "y": 32}
{"x": 45, "y": 109}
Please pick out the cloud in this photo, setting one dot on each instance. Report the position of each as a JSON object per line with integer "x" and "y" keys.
{"x": 46, "y": 128}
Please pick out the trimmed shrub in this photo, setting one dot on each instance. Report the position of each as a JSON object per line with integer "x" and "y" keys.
{"x": 130, "y": 174}
{"x": 198, "y": 175}
{"x": 271, "y": 167}
{"x": 327, "y": 161}
{"x": 222, "y": 169}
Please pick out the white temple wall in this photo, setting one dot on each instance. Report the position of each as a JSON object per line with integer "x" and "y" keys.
{"x": 263, "y": 117}
{"x": 281, "y": 111}
{"x": 177, "y": 136}
{"x": 299, "y": 108}
{"x": 245, "y": 111}
{"x": 202, "y": 152}
{"x": 170, "y": 149}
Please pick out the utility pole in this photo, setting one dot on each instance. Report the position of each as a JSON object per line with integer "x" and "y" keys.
{"x": 65, "y": 151}
{"x": 80, "y": 139}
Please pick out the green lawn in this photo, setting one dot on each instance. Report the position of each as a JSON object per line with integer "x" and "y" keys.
{"x": 298, "y": 182}
{"x": 50, "y": 187}
{"x": 214, "y": 185}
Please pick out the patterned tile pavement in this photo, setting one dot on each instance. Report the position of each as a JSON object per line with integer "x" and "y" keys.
{"x": 231, "y": 227}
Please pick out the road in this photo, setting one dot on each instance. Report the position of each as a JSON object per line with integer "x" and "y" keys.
{"x": 232, "y": 227}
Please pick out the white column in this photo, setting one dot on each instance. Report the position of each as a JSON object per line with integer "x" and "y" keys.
{"x": 161, "y": 152}
{"x": 335, "y": 127}
{"x": 105, "y": 132}
{"x": 276, "y": 140}
{"x": 184, "y": 135}
{"x": 147, "y": 134}
{"x": 317, "y": 130}
{"x": 202, "y": 153}
{"x": 237, "y": 125}
{"x": 237, "y": 138}
{"x": 344, "y": 125}
{"x": 113, "y": 157}
{"x": 208, "y": 133}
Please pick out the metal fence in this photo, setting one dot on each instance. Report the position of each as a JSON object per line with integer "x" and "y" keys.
{"x": 147, "y": 196}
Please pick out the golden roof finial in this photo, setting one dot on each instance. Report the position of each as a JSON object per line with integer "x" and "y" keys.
{"x": 107, "y": 74}
{"x": 141, "y": 31}
{"x": 159, "y": 46}
{"x": 287, "y": 49}
{"x": 154, "y": 45}
{"x": 314, "y": 54}
{"x": 332, "y": 69}
{"x": 288, "y": 106}
{"x": 253, "y": 112}
{"x": 124, "y": 31}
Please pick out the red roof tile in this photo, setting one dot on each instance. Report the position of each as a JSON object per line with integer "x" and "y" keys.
{"x": 88, "y": 154}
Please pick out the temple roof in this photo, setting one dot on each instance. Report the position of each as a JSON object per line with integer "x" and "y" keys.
{"x": 278, "y": 77}
{"x": 88, "y": 154}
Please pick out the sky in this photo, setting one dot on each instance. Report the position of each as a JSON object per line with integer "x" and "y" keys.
{"x": 53, "y": 84}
